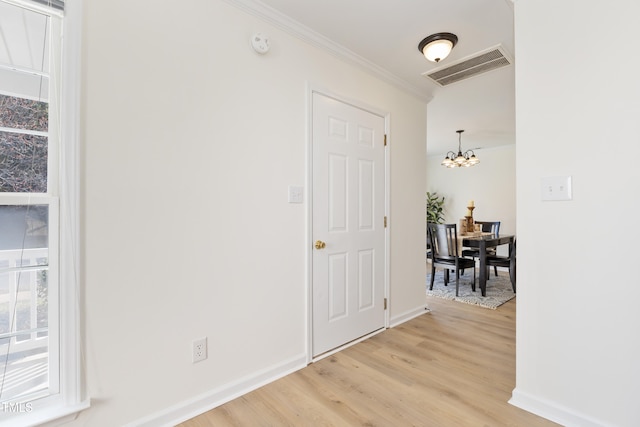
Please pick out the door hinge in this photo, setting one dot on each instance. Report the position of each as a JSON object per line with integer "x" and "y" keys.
{"x": 385, "y": 303}
{"x": 385, "y": 221}
{"x": 385, "y": 139}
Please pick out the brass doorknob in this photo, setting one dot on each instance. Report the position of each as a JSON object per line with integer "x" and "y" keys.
{"x": 320, "y": 244}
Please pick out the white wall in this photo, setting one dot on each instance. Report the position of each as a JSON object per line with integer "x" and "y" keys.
{"x": 577, "y": 108}
{"x": 491, "y": 185}
{"x": 190, "y": 141}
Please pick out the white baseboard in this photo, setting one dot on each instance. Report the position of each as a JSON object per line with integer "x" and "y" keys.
{"x": 188, "y": 409}
{"x": 408, "y": 315}
{"x": 552, "y": 411}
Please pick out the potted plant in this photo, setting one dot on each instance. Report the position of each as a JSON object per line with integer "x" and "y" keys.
{"x": 435, "y": 208}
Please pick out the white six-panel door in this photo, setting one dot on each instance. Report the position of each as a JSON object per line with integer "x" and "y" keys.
{"x": 348, "y": 187}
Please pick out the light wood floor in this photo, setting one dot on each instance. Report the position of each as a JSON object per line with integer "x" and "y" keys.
{"x": 452, "y": 367}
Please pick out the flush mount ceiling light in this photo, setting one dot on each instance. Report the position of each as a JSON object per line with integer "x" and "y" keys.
{"x": 437, "y": 46}
{"x": 466, "y": 159}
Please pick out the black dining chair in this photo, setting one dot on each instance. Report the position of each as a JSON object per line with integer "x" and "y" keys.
{"x": 443, "y": 239}
{"x": 492, "y": 227}
{"x": 506, "y": 262}
{"x": 428, "y": 244}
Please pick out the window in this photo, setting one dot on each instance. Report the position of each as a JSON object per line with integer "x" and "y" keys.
{"x": 38, "y": 304}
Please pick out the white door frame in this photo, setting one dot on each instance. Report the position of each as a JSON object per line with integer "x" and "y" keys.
{"x": 311, "y": 89}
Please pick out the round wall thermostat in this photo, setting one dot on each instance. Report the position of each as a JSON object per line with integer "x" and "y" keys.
{"x": 260, "y": 43}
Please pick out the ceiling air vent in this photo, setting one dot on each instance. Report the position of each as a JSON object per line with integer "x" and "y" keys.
{"x": 471, "y": 66}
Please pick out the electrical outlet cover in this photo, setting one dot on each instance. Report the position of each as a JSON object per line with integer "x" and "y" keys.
{"x": 199, "y": 350}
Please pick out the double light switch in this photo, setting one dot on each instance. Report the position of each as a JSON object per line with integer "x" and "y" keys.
{"x": 554, "y": 188}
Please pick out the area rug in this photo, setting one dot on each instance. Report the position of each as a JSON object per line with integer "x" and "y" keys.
{"x": 499, "y": 289}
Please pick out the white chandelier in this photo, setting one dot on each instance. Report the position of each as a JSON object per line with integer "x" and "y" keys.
{"x": 466, "y": 159}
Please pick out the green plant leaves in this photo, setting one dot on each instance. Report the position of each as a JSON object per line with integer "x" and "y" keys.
{"x": 435, "y": 208}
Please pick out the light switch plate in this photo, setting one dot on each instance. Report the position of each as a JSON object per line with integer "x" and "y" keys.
{"x": 296, "y": 194}
{"x": 553, "y": 188}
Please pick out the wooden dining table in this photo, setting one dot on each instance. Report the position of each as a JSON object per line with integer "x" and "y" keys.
{"x": 483, "y": 242}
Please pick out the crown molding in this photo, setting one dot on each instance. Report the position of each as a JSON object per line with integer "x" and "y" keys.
{"x": 296, "y": 29}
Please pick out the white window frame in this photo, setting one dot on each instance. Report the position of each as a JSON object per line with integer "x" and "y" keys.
{"x": 72, "y": 395}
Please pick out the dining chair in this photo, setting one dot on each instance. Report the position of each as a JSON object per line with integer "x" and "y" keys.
{"x": 428, "y": 243}
{"x": 443, "y": 239}
{"x": 492, "y": 227}
{"x": 507, "y": 262}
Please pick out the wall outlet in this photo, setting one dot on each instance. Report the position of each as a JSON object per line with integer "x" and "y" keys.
{"x": 199, "y": 349}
